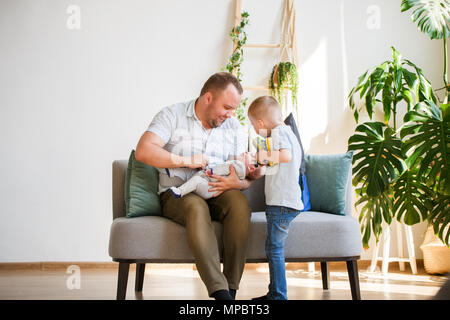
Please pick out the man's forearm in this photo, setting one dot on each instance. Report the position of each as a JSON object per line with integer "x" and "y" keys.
{"x": 244, "y": 184}
{"x": 156, "y": 156}
{"x": 150, "y": 151}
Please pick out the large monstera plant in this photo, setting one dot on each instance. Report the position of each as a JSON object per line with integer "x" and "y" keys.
{"x": 396, "y": 178}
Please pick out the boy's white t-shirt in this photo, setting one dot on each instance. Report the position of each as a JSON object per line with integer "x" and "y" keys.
{"x": 282, "y": 180}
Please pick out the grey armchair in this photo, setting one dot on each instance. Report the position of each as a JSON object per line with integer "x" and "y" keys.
{"x": 313, "y": 237}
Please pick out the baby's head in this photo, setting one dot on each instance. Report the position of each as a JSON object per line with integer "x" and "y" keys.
{"x": 249, "y": 161}
{"x": 264, "y": 114}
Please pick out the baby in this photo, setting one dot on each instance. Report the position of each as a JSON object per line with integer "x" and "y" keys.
{"x": 199, "y": 182}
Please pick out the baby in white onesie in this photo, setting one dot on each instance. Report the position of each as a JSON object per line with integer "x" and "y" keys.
{"x": 198, "y": 183}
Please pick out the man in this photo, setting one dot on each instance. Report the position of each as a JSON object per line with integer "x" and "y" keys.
{"x": 189, "y": 136}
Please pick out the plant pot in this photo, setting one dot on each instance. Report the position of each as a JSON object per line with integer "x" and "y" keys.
{"x": 436, "y": 255}
{"x": 275, "y": 76}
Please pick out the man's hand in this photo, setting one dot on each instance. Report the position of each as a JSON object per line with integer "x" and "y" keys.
{"x": 195, "y": 161}
{"x": 231, "y": 181}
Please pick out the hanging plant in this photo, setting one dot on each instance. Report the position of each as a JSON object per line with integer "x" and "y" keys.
{"x": 284, "y": 77}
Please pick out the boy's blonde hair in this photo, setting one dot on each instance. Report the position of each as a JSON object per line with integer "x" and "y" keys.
{"x": 266, "y": 108}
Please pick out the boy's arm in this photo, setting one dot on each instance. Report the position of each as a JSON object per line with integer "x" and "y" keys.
{"x": 281, "y": 156}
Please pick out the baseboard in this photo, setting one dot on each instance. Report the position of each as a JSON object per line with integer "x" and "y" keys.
{"x": 56, "y": 265}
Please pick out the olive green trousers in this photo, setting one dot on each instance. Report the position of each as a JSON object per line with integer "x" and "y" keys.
{"x": 232, "y": 210}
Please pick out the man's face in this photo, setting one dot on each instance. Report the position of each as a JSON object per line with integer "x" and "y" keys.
{"x": 222, "y": 106}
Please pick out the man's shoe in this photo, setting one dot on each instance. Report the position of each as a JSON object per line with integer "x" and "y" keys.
{"x": 221, "y": 295}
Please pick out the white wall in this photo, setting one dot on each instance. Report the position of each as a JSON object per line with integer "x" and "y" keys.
{"x": 72, "y": 101}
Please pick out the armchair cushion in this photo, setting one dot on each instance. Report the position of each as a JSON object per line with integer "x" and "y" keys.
{"x": 141, "y": 189}
{"x": 327, "y": 181}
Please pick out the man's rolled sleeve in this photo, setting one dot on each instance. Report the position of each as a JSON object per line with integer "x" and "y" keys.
{"x": 161, "y": 124}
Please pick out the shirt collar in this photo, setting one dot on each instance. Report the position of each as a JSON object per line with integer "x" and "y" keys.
{"x": 190, "y": 112}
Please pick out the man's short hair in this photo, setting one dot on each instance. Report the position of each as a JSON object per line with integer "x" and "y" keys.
{"x": 220, "y": 81}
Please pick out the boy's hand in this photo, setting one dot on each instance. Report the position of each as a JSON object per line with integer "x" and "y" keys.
{"x": 257, "y": 173}
{"x": 262, "y": 157}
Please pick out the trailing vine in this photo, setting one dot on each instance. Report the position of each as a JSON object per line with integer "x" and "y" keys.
{"x": 284, "y": 77}
{"x": 239, "y": 37}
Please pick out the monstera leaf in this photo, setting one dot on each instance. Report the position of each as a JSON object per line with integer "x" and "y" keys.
{"x": 440, "y": 218}
{"x": 427, "y": 141}
{"x": 378, "y": 155}
{"x": 432, "y": 16}
{"x": 373, "y": 211}
{"x": 389, "y": 83}
{"x": 428, "y": 130}
{"x": 412, "y": 198}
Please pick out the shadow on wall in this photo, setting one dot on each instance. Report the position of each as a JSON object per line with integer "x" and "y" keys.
{"x": 329, "y": 66}
{"x": 338, "y": 41}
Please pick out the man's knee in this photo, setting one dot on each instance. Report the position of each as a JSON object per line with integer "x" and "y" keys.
{"x": 196, "y": 209}
{"x": 187, "y": 209}
{"x": 234, "y": 202}
{"x": 233, "y": 211}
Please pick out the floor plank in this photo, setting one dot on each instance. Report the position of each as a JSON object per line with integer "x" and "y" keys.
{"x": 175, "y": 282}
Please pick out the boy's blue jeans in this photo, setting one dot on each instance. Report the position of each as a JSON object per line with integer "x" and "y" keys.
{"x": 278, "y": 222}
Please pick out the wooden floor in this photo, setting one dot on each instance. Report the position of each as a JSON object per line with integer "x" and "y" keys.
{"x": 175, "y": 282}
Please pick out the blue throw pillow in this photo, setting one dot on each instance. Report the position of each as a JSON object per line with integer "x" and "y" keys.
{"x": 327, "y": 181}
{"x": 305, "y": 192}
{"x": 290, "y": 121}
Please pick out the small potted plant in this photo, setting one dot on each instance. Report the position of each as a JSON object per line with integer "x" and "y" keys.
{"x": 284, "y": 77}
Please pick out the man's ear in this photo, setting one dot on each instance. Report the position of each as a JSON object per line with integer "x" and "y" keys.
{"x": 208, "y": 97}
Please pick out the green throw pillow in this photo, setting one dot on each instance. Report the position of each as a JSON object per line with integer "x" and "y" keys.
{"x": 141, "y": 189}
{"x": 327, "y": 177}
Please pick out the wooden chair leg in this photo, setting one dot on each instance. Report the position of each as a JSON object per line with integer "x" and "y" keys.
{"x": 140, "y": 273}
{"x": 325, "y": 275}
{"x": 352, "y": 269}
{"x": 122, "y": 280}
